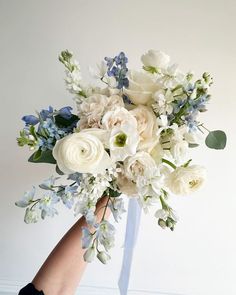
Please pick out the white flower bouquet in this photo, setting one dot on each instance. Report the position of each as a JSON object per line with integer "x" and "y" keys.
{"x": 131, "y": 138}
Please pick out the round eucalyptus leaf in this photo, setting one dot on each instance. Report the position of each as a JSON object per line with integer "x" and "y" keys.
{"x": 216, "y": 140}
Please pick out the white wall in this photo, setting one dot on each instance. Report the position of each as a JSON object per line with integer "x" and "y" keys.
{"x": 199, "y": 257}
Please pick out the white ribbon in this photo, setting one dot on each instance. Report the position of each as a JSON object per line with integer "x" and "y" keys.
{"x": 132, "y": 227}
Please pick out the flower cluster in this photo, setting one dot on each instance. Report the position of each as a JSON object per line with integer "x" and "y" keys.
{"x": 129, "y": 138}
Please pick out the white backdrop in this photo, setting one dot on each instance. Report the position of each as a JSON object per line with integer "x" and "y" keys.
{"x": 199, "y": 257}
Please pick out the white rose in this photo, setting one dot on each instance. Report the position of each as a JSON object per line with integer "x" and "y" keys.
{"x": 185, "y": 180}
{"x": 141, "y": 87}
{"x": 81, "y": 152}
{"x": 146, "y": 120}
{"x": 115, "y": 101}
{"x": 91, "y": 110}
{"x": 126, "y": 186}
{"x": 138, "y": 165}
{"x": 118, "y": 117}
{"x": 156, "y": 59}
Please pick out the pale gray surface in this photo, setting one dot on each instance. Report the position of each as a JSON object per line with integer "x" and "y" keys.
{"x": 199, "y": 257}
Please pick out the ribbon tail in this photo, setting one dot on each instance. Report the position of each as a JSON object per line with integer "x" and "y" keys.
{"x": 132, "y": 227}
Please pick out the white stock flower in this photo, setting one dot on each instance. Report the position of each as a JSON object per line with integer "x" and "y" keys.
{"x": 194, "y": 137}
{"x": 81, "y": 152}
{"x": 179, "y": 150}
{"x": 156, "y": 59}
{"x": 163, "y": 102}
{"x": 141, "y": 87}
{"x": 141, "y": 164}
{"x": 185, "y": 180}
{"x": 171, "y": 77}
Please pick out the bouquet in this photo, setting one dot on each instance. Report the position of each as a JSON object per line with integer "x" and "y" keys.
{"x": 130, "y": 136}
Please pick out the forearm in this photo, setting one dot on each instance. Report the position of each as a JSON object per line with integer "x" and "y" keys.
{"x": 62, "y": 270}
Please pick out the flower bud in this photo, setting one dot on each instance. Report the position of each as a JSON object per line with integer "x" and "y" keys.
{"x": 103, "y": 257}
{"x": 89, "y": 254}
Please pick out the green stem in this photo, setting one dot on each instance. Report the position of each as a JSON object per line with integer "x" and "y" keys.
{"x": 104, "y": 212}
{"x": 169, "y": 163}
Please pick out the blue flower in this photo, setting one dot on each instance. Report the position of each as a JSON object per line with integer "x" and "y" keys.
{"x": 117, "y": 208}
{"x": 48, "y": 183}
{"x": 87, "y": 238}
{"x": 26, "y": 199}
{"x": 68, "y": 195}
{"x": 76, "y": 177}
{"x": 44, "y": 114}
{"x": 46, "y": 204}
{"x": 30, "y": 120}
{"x": 66, "y": 112}
{"x": 117, "y": 68}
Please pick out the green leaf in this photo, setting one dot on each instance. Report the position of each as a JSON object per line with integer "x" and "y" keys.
{"x": 193, "y": 145}
{"x": 37, "y": 155}
{"x": 44, "y": 157}
{"x": 216, "y": 140}
{"x": 62, "y": 122}
{"x": 59, "y": 171}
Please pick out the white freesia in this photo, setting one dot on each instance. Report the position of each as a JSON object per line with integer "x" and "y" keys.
{"x": 156, "y": 59}
{"x": 81, "y": 152}
{"x": 185, "y": 180}
{"x": 141, "y": 164}
{"x": 141, "y": 87}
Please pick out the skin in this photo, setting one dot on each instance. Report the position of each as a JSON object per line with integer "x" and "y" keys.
{"x": 61, "y": 272}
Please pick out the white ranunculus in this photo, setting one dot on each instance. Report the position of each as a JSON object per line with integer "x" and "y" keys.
{"x": 185, "y": 180}
{"x": 179, "y": 150}
{"x": 81, "y": 152}
{"x": 146, "y": 120}
{"x": 138, "y": 165}
{"x": 141, "y": 87}
{"x": 118, "y": 117}
{"x": 101, "y": 134}
{"x": 124, "y": 140}
{"x": 156, "y": 59}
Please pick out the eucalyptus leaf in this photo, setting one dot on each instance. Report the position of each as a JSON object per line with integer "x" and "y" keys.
{"x": 216, "y": 140}
{"x": 44, "y": 157}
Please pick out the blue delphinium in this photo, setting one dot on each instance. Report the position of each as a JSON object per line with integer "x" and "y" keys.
{"x": 30, "y": 120}
{"x": 68, "y": 195}
{"x": 44, "y": 114}
{"x": 117, "y": 68}
{"x": 65, "y": 112}
{"x": 46, "y": 204}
